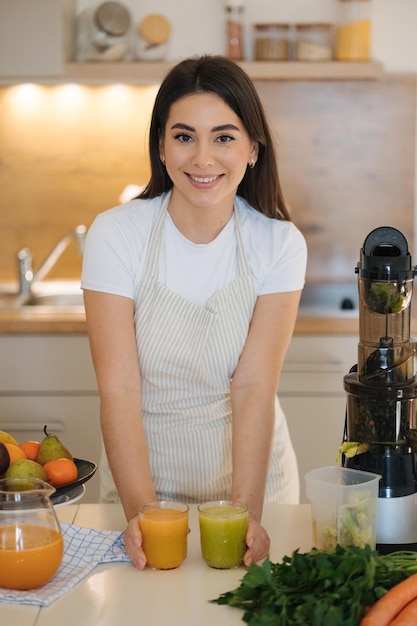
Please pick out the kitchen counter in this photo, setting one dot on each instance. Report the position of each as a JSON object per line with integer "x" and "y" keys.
{"x": 319, "y": 313}
{"x": 119, "y": 593}
{"x": 37, "y": 322}
{"x": 45, "y": 321}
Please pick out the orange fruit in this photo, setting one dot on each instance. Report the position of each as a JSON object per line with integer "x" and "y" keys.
{"x": 31, "y": 449}
{"x": 61, "y": 471}
{"x": 15, "y": 452}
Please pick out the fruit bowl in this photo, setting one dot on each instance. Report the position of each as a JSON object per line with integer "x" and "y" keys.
{"x": 86, "y": 470}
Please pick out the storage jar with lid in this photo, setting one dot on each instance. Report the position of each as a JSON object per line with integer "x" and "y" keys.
{"x": 104, "y": 33}
{"x": 154, "y": 32}
{"x": 271, "y": 42}
{"x": 314, "y": 42}
{"x": 353, "y": 36}
{"x": 234, "y": 29}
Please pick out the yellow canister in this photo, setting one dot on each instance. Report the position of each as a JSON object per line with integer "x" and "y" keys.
{"x": 353, "y": 35}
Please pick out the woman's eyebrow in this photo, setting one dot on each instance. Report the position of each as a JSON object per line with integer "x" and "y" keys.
{"x": 215, "y": 129}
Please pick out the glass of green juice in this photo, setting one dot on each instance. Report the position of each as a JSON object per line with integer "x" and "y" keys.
{"x": 223, "y": 528}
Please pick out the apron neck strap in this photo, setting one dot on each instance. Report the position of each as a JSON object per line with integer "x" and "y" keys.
{"x": 154, "y": 248}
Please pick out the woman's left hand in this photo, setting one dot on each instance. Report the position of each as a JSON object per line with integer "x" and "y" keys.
{"x": 257, "y": 540}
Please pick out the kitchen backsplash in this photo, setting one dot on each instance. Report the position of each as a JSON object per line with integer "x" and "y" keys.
{"x": 346, "y": 153}
{"x": 347, "y": 159}
{"x": 67, "y": 152}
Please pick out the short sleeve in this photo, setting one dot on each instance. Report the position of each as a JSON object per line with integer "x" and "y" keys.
{"x": 115, "y": 247}
{"x": 288, "y": 262}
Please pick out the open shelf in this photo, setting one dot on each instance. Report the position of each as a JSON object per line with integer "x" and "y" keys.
{"x": 147, "y": 72}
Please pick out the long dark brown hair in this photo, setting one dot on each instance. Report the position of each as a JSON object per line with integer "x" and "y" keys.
{"x": 260, "y": 185}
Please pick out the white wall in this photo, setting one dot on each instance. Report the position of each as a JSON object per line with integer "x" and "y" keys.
{"x": 198, "y": 25}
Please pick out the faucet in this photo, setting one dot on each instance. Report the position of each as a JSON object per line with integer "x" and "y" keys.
{"x": 27, "y": 276}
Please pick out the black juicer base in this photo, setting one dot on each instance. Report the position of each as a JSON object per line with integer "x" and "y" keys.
{"x": 398, "y": 471}
{"x": 389, "y": 548}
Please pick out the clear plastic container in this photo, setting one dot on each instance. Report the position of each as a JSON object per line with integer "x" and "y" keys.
{"x": 314, "y": 42}
{"x": 271, "y": 42}
{"x": 104, "y": 33}
{"x": 344, "y": 506}
{"x": 353, "y": 37}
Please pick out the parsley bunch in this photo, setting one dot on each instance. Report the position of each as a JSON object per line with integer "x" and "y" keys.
{"x": 319, "y": 587}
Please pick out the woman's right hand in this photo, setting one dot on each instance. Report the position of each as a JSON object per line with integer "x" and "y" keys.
{"x": 133, "y": 544}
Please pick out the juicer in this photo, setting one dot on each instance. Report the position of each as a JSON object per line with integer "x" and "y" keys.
{"x": 381, "y": 410}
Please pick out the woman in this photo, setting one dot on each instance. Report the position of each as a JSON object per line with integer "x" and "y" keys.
{"x": 191, "y": 294}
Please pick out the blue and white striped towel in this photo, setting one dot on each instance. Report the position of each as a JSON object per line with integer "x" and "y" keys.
{"x": 84, "y": 548}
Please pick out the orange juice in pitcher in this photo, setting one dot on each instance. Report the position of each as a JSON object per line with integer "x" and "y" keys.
{"x": 29, "y": 555}
{"x": 31, "y": 543}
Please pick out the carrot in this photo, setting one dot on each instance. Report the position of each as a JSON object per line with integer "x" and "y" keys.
{"x": 408, "y": 616}
{"x": 390, "y": 604}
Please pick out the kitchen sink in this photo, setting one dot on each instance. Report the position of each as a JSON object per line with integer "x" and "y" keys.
{"x": 46, "y": 296}
{"x": 58, "y": 300}
{"x": 8, "y": 300}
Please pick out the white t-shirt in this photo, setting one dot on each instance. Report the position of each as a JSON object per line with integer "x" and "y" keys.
{"x": 117, "y": 243}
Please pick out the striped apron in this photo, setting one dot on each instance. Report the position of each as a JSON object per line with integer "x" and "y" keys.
{"x": 187, "y": 356}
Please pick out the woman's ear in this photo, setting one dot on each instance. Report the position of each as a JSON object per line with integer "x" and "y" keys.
{"x": 161, "y": 150}
{"x": 254, "y": 153}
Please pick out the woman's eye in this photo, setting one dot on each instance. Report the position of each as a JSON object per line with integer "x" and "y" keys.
{"x": 183, "y": 137}
{"x": 225, "y": 138}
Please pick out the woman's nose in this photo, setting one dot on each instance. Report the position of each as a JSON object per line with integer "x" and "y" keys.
{"x": 203, "y": 156}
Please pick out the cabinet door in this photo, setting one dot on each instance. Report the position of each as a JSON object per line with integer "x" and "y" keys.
{"x": 74, "y": 419}
{"x": 316, "y": 427}
{"x": 312, "y": 395}
{"x": 35, "y": 37}
{"x": 46, "y": 364}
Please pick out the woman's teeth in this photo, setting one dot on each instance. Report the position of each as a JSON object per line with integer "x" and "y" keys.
{"x": 205, "y": 179}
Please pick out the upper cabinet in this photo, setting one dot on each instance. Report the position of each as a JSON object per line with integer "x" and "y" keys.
{"x": 37, "y": 39}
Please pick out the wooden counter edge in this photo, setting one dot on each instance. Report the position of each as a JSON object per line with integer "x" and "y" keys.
{"x": 37, "y": 323}
{"x": 58, "y": 323}
{"x": 317, "y": 325}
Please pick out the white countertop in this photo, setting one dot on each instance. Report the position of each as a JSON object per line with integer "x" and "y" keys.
{"x": 118, "y": 593}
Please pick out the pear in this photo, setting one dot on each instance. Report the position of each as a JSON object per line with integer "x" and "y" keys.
{"x": 51, "y": 449}
{"x": 25, "y": 468}
{"x": 4, "y": 458}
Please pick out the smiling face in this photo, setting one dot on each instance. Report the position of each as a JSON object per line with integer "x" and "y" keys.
{"x": 206, "y": 151}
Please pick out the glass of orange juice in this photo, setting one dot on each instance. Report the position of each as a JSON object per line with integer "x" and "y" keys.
{"x": 31, "y": 543}
{"x": 223, "y": 528}
{"x": 164, "y": 528}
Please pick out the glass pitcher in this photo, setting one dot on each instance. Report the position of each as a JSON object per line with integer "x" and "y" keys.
{"x": 31, "y": 542}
